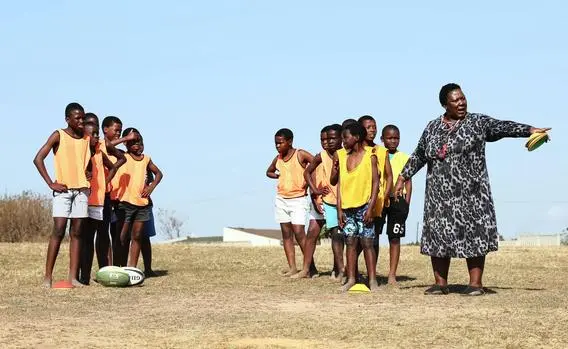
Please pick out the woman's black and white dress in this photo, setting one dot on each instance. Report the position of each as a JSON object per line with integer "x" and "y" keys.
{"x": 459, "y": 216}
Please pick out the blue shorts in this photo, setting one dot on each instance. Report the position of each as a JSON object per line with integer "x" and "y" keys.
{"x": 354, "y": 226}
{"x": 330, "y": 216}
{"x": 149, "y": 227}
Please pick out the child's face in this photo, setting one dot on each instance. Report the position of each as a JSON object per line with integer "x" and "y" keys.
{"x": 135, "y": 146}
{"x": 93, "y": 132}
{"x": 282, "y": 144}
{"x": 349, "y": 140}
{"x": 333, "y": 140}
{"x": 75, "y": 120}
{"x": 92, "y": 120}
{"x": 324, "y": 141}
{"x": 391, "y": 139}
{"x": 113, "y": 131}
{"x": 371, "y": 127}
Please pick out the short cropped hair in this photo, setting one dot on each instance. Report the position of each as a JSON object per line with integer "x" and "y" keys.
{"x": 445, "y": 90}
{"x": 126, "y": 131}
{"x": 110, "y": 120}
{"x": 73, "y": 106}
{"x": 365, "y": 118}
{"x": 335, "y": 127}
{"x": 286, "y": 133}
{"x": 92, "y": 115}
{"x": 347, "y": 122}
{"x": 356, "y": 129}
{"x": 390, "y": 127}
{"x": 324, "y": 129}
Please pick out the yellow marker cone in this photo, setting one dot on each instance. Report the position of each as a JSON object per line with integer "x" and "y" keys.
{"x": 359, "y": 288}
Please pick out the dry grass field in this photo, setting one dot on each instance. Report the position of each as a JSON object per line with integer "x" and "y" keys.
{"x": 217, "y": 296}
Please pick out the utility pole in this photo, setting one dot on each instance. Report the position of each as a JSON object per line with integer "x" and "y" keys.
{"x": 417, "y": 229}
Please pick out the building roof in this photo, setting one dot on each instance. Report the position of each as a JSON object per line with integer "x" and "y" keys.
{"x": 267, "y": 233}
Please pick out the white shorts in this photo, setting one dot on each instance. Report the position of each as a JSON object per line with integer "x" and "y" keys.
{"x": 291, "y": 210}
{"x": 96, "y": 212}
{"x": 315, "y": 215}
{"x": 72, "y": 204}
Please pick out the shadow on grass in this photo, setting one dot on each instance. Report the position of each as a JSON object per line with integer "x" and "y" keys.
{"x": 459, "y": 288}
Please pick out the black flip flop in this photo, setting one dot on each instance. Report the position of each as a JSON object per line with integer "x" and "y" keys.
{"x": 471, "y": 291}
{"x": 437, "y": 290}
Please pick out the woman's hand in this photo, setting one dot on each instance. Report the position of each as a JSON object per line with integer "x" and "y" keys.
{"x": 399, "y": 187}
{"x": 539, "y": 130}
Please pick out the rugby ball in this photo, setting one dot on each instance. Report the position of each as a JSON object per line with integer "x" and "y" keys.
{"x": 112, "y": 277}
{"x": 136, "y": 275}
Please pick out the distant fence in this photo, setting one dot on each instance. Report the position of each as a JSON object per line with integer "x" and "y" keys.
{"x": 526, "y": 240}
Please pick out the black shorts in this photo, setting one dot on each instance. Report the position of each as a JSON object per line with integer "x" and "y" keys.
{"x": 395, "y": 216}
{"x": 128, "y": 213}
{"x": 107, "y": 209}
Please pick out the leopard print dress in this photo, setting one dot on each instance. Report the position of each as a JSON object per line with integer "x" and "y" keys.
{"x": 459, "y": 216}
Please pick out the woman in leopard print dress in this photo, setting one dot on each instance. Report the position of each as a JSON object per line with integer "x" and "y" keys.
{"x": 459, "y": 217}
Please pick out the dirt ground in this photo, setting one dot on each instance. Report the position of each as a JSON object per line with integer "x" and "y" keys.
{"x": 214, "y": 296}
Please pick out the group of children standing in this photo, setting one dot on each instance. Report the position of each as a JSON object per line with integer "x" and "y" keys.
{"x": 103, "y": 191}
{"x": 350, "y": 184}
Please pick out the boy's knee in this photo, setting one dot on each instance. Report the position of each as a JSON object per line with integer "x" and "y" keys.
{"x": 394, "y": 241}
{"x": 367, "y": 243}
{"x": 350, "y": 240}
{"x": 58, "y": 233}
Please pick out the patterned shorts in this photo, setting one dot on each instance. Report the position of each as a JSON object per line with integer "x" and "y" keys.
{"x": 354, "y": 225}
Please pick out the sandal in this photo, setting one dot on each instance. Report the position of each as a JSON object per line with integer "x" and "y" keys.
{"x": 437, "y": 290}
{"x": 473, "y": 291}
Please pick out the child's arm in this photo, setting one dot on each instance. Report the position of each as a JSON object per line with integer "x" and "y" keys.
{"x": 368, "y": 217}
{"x": 340, "y": 216}
{"x": 112, "y": 150}
{"x": 112, "y": 168}
{"x": 305, "y": 158}
{"x": 271, "y": 171}
{"x": 334, "y": 177}
{"x": 157, "y": 178}
{"x": 309, "y": 177}
{"x": 408, "y": 187}
{"x": 388, "y": 178}
{"x": 52, "y": 142}
{"x": 129, "y": 137}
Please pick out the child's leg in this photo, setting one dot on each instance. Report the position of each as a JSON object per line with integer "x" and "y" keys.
{"x": 337, "y": 246}
{"x": 137, "y": 231}
{"x": 288, "y": 243}
{"x": 146, "y": 249}
{"x": 59, "y": 225}
{"x": 308, "y": 268}
{"x": 102, "y": 243}
{"x": 396, "y": 229}
{"x": 75, "y": 249}
{"x": 86, "y": 252}
{"x": 370, "y": 260}
{"x": 123, "y": 247}
{"x": 394, "y": 251}
{"x": 352, "y": 243}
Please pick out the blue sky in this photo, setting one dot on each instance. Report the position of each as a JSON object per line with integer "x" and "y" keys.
{"x": 208, "y": 84}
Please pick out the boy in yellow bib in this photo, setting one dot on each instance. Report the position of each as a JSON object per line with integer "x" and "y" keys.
{"x": 356, "y": 174}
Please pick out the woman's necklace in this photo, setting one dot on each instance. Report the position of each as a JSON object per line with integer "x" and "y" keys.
{"x": 451, "y": 125}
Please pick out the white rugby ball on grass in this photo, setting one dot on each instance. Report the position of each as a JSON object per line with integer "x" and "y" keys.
{"x": 136, "y": 276}
{"x": 112, "y": 276}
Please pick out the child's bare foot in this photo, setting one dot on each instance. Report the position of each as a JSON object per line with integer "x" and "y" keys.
{"x": 348, "y": 285}
{"x": 373, "y": 285}
{"x": 340, "y": 277}
{"x": 332, "y": 275}
{"x": 290, "y": 272}
{"x": 301, "y": 275}
{"x": 392, "y": 280}
{"x": 76, "y": 283}
{"x": 46, "y": 283}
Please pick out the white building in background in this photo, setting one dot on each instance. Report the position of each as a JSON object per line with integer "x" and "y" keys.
{"x": 254, "y": 237}
{"x": 551, "y": 239}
